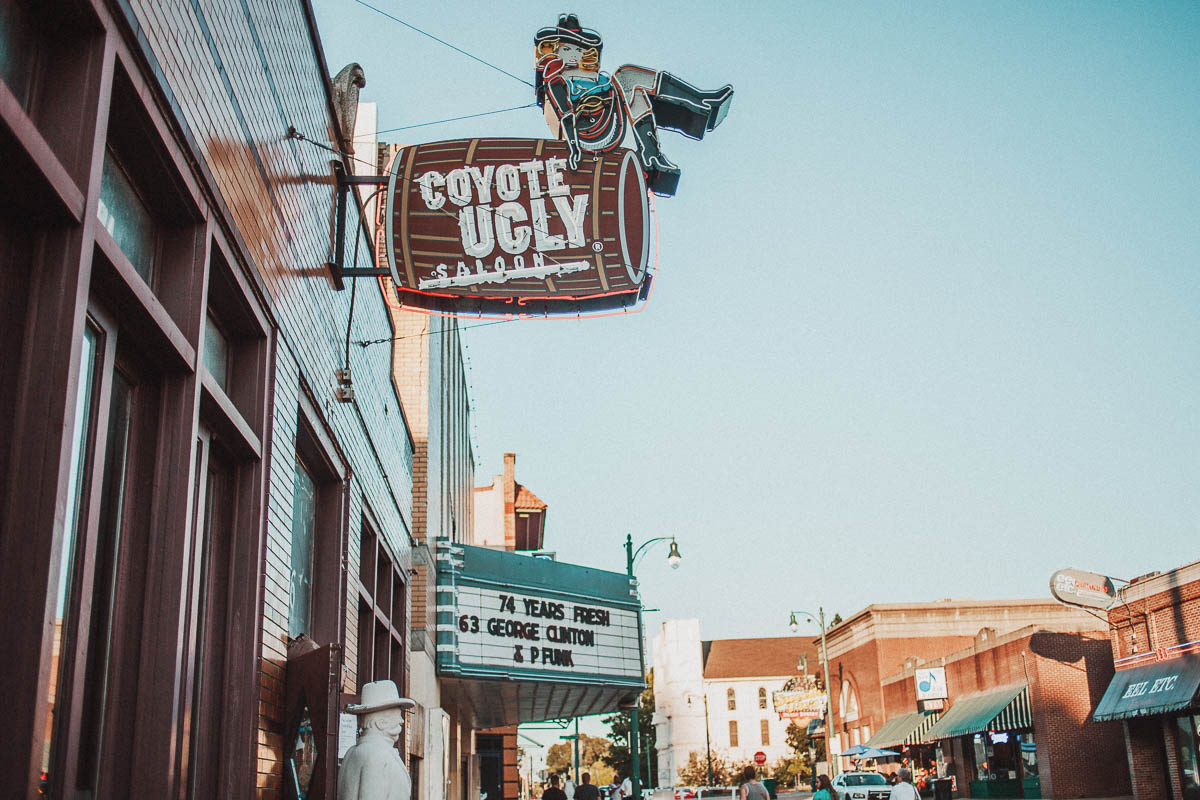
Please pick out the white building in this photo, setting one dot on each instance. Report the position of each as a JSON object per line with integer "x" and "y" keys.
{"x": 735, "y": 679}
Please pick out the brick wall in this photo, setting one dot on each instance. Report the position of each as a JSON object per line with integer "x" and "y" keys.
{"x": 1162, "y": 619}
{"x": 1155, "y": 615}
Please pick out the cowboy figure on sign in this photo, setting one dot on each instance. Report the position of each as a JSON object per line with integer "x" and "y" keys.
{"x": 591, "y": 109}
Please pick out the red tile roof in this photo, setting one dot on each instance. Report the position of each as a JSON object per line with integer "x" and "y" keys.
{"x": 527, "y": 499}
{"x": 758, "y": 658}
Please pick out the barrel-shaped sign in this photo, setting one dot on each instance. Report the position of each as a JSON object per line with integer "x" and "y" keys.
{"x": 478, "y": 226}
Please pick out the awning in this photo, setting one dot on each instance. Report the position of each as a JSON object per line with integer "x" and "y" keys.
{"x": 905, "y": 729}
{"x": 1158, "y": 688}
{"x": 1003, "y": 709}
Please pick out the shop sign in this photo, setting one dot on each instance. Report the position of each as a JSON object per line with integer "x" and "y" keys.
{"x": 1075, "y": 587}
{"x": 479, "y": 226}
{"x": 799, "y": 699}
{"x": 511, "y": 616}
{"x": 931, "y": 683}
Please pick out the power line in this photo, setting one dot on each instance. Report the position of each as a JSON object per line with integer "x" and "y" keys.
{"x": 369, "y": 342}
{"x": 443, "y": 41}
{"x": 455, "y": 119}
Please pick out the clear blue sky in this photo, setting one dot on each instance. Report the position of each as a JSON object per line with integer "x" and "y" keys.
{"x": 927, "y": 316}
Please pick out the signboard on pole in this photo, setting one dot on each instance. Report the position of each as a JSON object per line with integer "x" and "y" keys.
{"x": 760, "y": 758}
{"x": 1074, "y": 587}
{"x": 505, "y": 226}
{"x": 799, "y": 699}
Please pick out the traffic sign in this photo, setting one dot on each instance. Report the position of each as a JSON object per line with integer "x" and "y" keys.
{"x": 760, "y": 758}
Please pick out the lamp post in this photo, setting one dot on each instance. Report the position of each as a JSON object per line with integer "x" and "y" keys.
{"x": 707, "y": 740}
{"x": 793, "y": 625}
{"x": 631, "y": 557}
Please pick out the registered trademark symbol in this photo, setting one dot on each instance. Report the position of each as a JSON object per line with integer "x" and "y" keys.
{"x": 597, "y": 246}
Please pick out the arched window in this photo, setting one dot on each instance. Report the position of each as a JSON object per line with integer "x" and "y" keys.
{"x": 732, "y": 698}
{"x": 762, "y": 697}
{"x": 849, "y": 702}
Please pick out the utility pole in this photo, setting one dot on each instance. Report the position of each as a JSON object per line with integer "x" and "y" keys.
{"x": 577, "y": 751}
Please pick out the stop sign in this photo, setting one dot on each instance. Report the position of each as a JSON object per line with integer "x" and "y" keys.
{"x": 760, "y": 758}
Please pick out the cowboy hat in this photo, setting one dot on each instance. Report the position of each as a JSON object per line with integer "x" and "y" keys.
{"x": 379, "y": 696}
{"x": 568, "y": 30}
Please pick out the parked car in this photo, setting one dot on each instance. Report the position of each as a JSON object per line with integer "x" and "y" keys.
{"x": 685, "y": 793}
{"x": 862, "y": 786}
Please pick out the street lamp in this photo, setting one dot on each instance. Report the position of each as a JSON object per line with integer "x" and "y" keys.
{"x": 794, "y": 626}
{"x": 707, "y": 740}
{"x": 631, "y": 557}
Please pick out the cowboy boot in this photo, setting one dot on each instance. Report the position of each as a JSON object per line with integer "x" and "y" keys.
{"x": 689, "y": 110}
{"x": 661, "y": 175}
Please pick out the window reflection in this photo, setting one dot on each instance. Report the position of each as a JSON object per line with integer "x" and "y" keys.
{"x": 1188, "y": 740}
{"x": 304, "y": 526}
{"x": 127, "y": 219}
{"x": 80, "y": 461}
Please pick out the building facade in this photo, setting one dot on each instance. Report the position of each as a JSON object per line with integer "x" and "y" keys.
{"x": 718, "y": 695}
{"x": 1016, "y": 718}
{"x": 206, "y": 534}
{"x": 882, "y": 639}
{"x": 1155, "y": 693}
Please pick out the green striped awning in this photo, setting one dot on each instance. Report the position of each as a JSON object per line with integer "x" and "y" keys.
{"x": 1004, "y": 709}
{"x": 904, "y": 729}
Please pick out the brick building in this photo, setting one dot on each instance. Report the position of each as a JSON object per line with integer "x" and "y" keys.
{"x": 1021, "y": 678}
{"x": 1018, "y": 722}
{"x": 204, "y": 551}
{"x": 882, "y": 639}
{"x": 1155, "y": 693}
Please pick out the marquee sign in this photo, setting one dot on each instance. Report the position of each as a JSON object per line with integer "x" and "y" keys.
{"x": 799, "y": 699}
{"x": 480, "y": 226}
{"x": 503, "y": 615}
{"x": 1075, "y": 587}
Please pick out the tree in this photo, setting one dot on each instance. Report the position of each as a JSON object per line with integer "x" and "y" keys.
{"x": 695, "y": 771}
{"x": 806, "y": 750}
{"x": 560, "y": 757}
{"x": 618, "y": 756}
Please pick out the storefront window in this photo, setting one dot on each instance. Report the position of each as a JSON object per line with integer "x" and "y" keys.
{"x": 1029, "y": 763}
{"x": 17, "y": 50}
{"x": 1187, "y": 737}
{"x": 304, "y": 528}
{"x": 125, "y": 216}
{"x": 995, "y": 755}
{"x": 80, "y": 462}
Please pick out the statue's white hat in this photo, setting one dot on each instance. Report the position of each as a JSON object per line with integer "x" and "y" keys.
{"x": 379, "y": 696}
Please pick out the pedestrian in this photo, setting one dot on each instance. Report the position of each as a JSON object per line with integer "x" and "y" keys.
{"x": 585, "y": 790}
{"x": 904, "y": 789}
{"x": 552, "y": 791}
{"x": 825, "y": 790}
{"x": 568, "y": 786}
{"x": 751, "y": 788}
{"x": 626, "y": 788}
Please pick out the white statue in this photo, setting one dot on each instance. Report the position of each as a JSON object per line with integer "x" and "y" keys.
{"x": 373, "y": 769}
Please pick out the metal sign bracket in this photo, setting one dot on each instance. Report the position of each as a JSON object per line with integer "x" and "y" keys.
{"x": 337, "y": 272}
